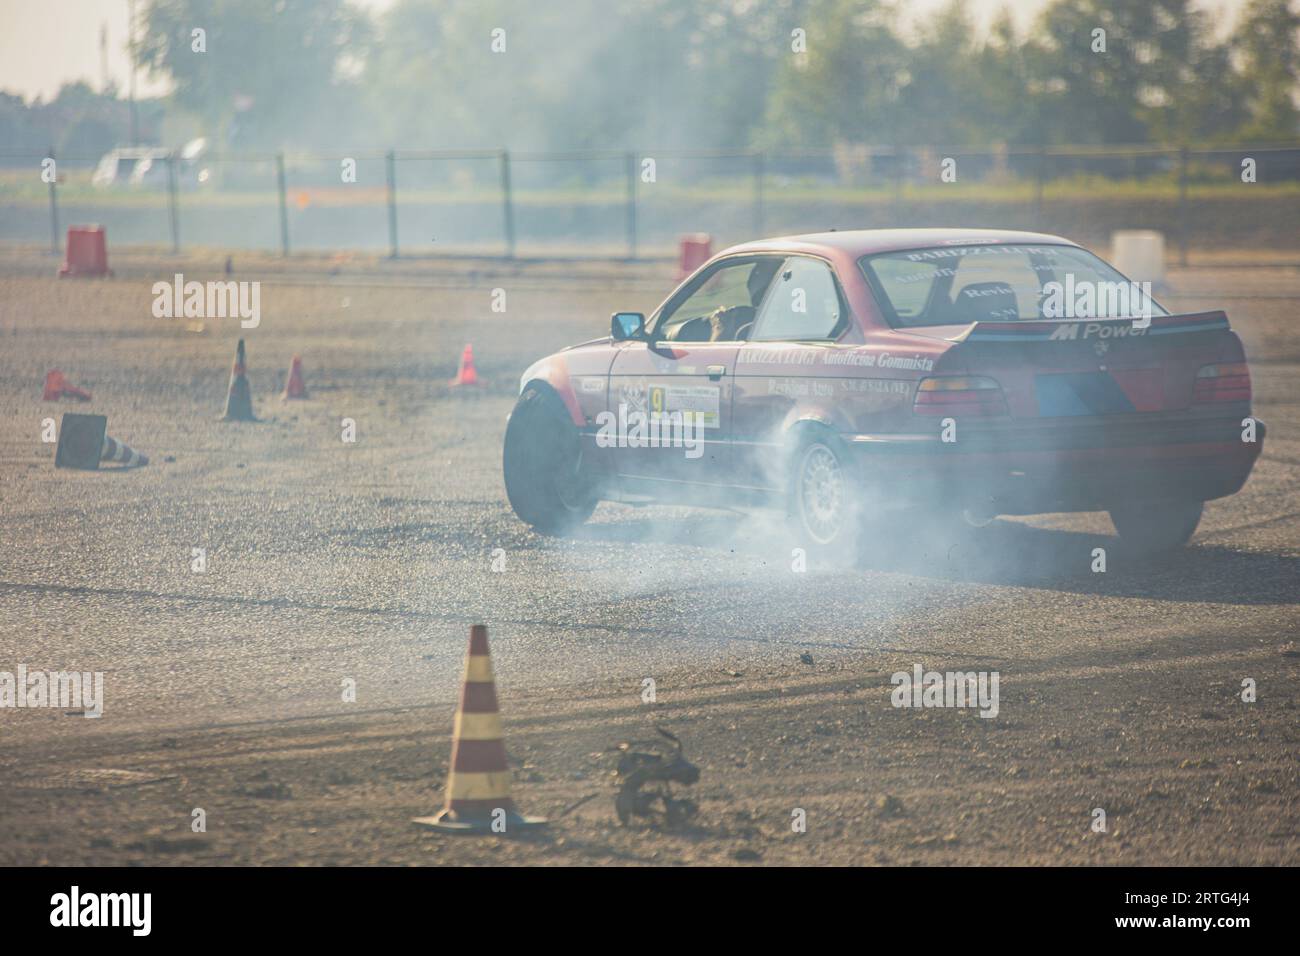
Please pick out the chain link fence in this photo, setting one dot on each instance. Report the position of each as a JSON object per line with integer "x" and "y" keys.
{"x": 614, "y": 204}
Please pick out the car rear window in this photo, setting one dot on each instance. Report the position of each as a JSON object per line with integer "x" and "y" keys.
{"x": 1000, "y": 282}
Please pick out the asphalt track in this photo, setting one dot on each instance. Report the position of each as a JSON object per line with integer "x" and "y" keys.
{"x": 367, "y": 561}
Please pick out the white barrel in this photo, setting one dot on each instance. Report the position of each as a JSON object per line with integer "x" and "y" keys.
{"x": 1139, "y": 254}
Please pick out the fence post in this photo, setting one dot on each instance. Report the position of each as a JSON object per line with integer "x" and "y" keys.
{"x": 631, "y": 205}
{"x": 758, "y": 195}
{"x": 390, "y": 164}
{"x": 172, "y": 203}
{"x": 284, "y": 205}
{"x": 1182, "y": 206}
{"x": 54, "y": 207}
{"x": 507, "y": 204}
{"x": 1040, "y": 174}
{"x": 899, "y": 159}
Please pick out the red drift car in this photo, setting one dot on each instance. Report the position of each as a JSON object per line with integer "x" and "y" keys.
{"x": 973, "y": 372}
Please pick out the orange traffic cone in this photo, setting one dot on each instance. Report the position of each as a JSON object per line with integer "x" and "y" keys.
{"x": 478, "y": 787}
{"x": 239, "y": 400}
{"x": 294, "y": 388}
{"x": 56, "y": 387}
{"x": 465, "y": 374}
{"x": 53, "y": 386}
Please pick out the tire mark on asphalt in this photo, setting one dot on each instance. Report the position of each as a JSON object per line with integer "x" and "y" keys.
{"x": 15, "y": 587}
{"x": 668, "y": 631}
{"x": 288, "y": 604}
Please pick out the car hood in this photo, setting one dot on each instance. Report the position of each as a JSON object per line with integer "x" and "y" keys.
{"x": 588, "y": 344}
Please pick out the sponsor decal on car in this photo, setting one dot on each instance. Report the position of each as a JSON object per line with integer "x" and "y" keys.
{"x": 1070, "y": 331}
{"x": 633, "y": 428}
{"x": 696, "y": 402}
{"x": 811, "y": 355}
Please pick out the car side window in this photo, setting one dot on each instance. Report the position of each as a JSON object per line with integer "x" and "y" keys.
{"x": 803, "y": 305}
{"x": 722, "y": 307}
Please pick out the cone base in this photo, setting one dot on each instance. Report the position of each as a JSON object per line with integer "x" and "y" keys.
{"x": 76, "y": 272}
{"x": 237, "y": 415}
{"x": 450, "y": 822}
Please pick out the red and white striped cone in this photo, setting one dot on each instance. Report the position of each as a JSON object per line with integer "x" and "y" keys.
{"x": 117, "y": 451}
{"x": 478, "y": 786}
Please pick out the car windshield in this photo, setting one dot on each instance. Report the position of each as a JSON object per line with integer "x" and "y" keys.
{"x": 1001, "y": 282}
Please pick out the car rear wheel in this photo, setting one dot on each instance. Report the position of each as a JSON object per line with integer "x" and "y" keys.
{"x": 821, "y": 495}
{"x": 1149, "y": 527}
{"x": 543, "y": 465}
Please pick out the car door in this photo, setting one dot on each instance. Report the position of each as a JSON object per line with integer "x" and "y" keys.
{"x": 781, "y": 371}
{"x": 677, "y": 385}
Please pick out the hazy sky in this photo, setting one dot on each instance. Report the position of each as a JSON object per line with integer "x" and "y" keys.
{"x": 46, "y": 43}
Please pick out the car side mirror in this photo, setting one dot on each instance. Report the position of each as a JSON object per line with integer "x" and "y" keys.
{"x": 626, "y": 325}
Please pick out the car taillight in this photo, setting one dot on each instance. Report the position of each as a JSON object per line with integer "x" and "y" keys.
{"x": 959, "y": 395}
{"x": 1222, "y": 382}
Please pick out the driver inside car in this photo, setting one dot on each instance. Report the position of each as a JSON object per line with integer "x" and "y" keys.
{"x": 725, "y": 323}
{"x": 730, "y": 323}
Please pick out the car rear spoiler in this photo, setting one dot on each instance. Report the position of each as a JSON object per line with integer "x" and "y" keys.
{"x": 1071, "y": 330}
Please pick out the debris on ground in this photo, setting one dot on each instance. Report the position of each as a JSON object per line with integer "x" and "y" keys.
{"x": 646, "y": 776}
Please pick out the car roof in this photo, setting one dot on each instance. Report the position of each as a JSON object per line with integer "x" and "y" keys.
{"x": 864, "y": 242}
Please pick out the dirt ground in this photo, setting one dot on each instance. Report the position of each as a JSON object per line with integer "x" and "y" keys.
{"x": 367, "y": 562}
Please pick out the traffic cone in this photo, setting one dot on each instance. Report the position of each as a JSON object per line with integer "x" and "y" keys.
{"x": 84, "y": 443}
{"x": 56, "y": 387}
{"x": 465, "y": 374}
{"x": 239, "y": 400}
{"x": 294, "y": 388}
{"x": 115, "y": 450}
{"x": 478, "y": 786}
{"x": 53, "y": 386}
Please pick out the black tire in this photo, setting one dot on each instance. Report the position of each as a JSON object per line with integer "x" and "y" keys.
{"x": 1149, "y": 527}
{"x": 822, "y": 506}
{"x": 542, "y": 462}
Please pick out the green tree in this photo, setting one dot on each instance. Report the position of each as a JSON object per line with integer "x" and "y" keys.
{"x": 1119, "y": 94}
{"x": 578, "y": 74}
{"x": 1013, "y": 103}
{"x": 846, "y": 87}
{"x": 1265, "y": 45}
{"x": 941, "y": 99}
{"x": 272, "y": 69}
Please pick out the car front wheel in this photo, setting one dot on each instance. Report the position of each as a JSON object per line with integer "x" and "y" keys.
{"x": 542, "y": 462}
